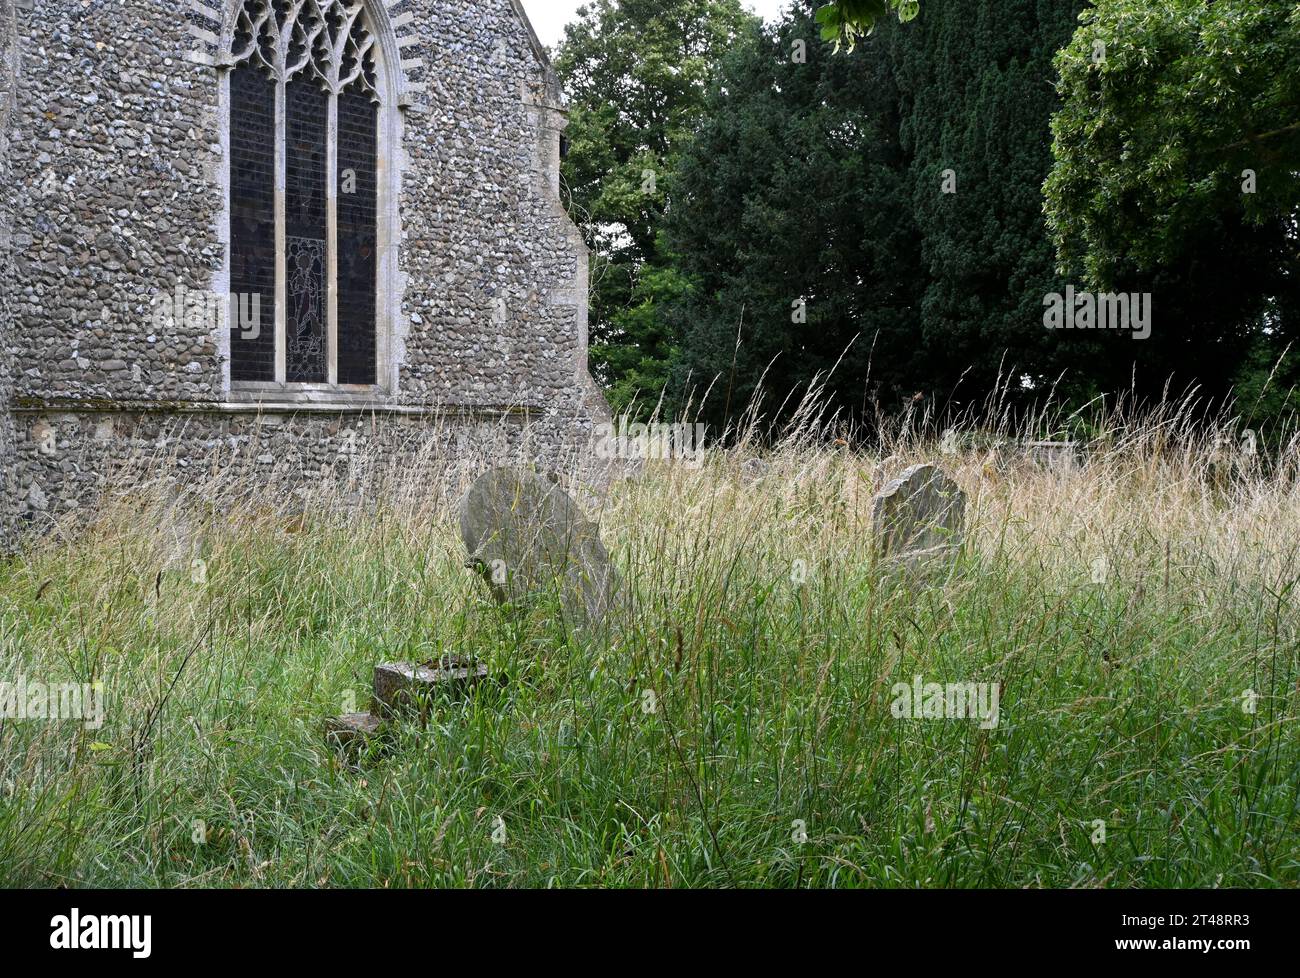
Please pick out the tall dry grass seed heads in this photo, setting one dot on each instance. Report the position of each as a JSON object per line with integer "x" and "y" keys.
{"x": 1137, "y": 618}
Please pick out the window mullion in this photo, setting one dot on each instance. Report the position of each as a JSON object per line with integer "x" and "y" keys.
{"x": 281, "y": 269}
{"x": 331, "y": 240}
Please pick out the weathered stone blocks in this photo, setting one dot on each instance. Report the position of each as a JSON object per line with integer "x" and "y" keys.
{"x": 404, "y": 691}
{"x": 351, "y": 730}
{"x": 402, "y": 687}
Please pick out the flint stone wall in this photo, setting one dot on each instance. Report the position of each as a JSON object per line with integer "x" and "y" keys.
{"x": 117, "y": 161}
{"x": 8, "y": 98}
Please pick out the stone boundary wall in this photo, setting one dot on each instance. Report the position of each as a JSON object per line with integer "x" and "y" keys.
{"x": 118, "y": 160}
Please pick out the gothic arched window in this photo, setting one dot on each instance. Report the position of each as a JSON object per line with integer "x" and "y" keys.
{"x": 304, "y": 105}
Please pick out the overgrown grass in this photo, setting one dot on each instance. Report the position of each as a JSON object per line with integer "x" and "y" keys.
{"x": 1121, "y": 703}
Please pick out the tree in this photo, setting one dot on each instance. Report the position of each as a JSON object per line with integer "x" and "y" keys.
{"x": 1177, "y": 171}
{"x": 791, "y": 226}
{"x": 975, "y": 105}
{"x": 846, "y": 21}
{"x": 636, "y": 73}
{"x": 893, "y": 192}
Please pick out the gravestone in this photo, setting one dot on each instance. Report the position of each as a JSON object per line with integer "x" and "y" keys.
{"x": 403, "y": 690}
{"x": 527, "y": 538}
{"x": 1053, "y": 454}
{"x": 919, "y": 518}
{"x": 402, "y": 687}
{"x": 350, "y": 730}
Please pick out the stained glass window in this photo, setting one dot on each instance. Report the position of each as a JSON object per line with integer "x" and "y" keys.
{"x": 357, "y": 266}
{"x": 304, "y": 113}
{"x": 252, "y": 222}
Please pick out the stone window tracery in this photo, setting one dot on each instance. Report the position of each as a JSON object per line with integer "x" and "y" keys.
{"x": 305, "y": 102}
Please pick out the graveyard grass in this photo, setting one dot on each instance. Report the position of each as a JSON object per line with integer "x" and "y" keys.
{"x": 739, "y": 704}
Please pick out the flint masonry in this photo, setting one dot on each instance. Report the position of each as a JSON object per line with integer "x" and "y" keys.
{"x": 275, "y": 229}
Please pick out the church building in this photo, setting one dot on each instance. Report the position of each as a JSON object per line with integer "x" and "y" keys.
{"x": 282, "y": 230}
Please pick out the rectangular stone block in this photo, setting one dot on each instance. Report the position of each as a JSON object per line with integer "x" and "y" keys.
{"x": 1052, "y": 454}
{"x": 402, "y": 687}
{"x": 350, "y": 729}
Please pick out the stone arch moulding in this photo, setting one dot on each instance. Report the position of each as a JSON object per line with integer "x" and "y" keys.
{"x": 212, "y": 29}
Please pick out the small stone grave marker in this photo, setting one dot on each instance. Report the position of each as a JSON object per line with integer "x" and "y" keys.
{"x": 1053, "y": 454}
{"x": 400, "y": 690}
{"x": 919, "y": 517}
{"x": 350, "y": 729}
{"x": 402, "y": 687}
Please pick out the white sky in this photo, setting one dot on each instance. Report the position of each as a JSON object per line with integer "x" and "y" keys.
{"x": 550, "y": 16}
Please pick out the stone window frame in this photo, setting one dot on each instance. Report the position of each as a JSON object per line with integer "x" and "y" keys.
{"x": 390, "y": 128}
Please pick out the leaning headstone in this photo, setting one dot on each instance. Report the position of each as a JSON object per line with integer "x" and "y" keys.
{"x": 402, "y": 687}
{"x": 919, "y": 518}
{"x": 528, "y": 538}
